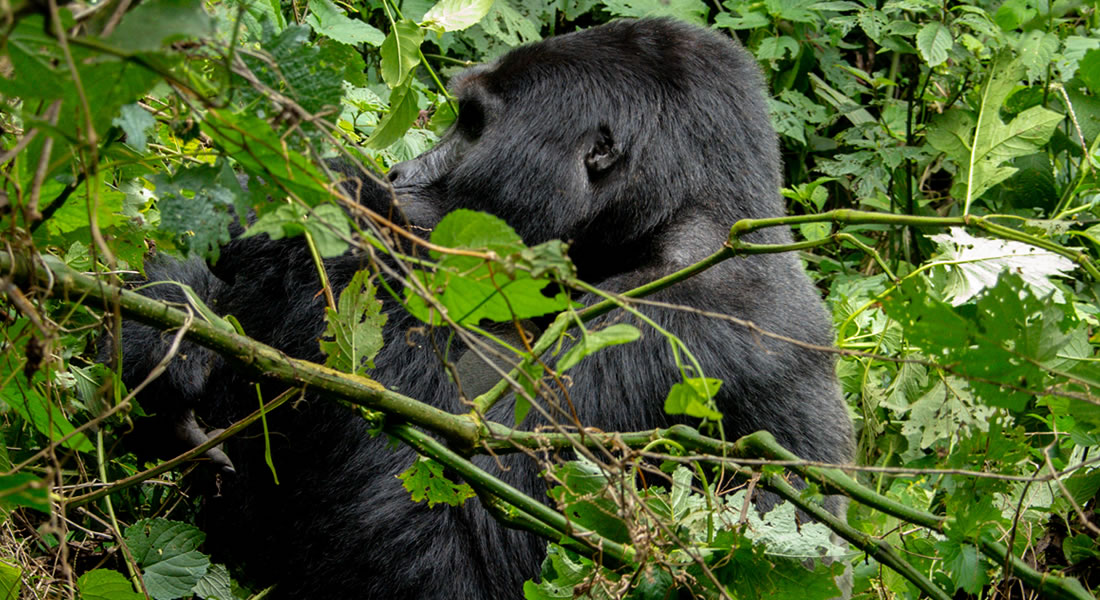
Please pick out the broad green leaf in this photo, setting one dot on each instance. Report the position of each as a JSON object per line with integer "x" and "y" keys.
{"x": 215, "y": 584}
{"x": 327, "y": 225}
{"x": 23, "y": 489}
{"x": 777, "y": 48}
{"x": 329, "y": 20}
{"x": 166, "y": 550}
{"x": 425, "y": 481}
{"x": 815, "y": 231}
{"x": 73, "y": 215}
{"x": 1088, "y": 70}
{"x": 472, "y": 288}
{"x": 455, "y": 15}
{"x": 974, "y": 264}
{"x": 330, "y": 229}
{"x": 745, "y": 19}
{"x": 11, "y": 581}
{"x": 195, "y": 209}
{"x": 353, "y": 336}
{"x": 105, "y": 584}
{"x": 155, "y": 23}
{"x": 561, "y": 572}
{"x": 981, "y": 146}
{"x": 401, "y": 52}
{"x": 584, "y": 494}
{"x": 692, "y": 396}
{"x": 176, "y": 576}
{"x": 1036, "y": 52}
{"x": 154, "y": 540}
{"x": 933, "y": 41}
{"x": 592, "y": 341}
{"x": 509, "y": 26}
{"x": 403, "y": 113}
{"x": 311, "y": 74}
{"x": 28, "y": 401}
{"x": 965, "y": 565}
{"x": 135, "y": 121}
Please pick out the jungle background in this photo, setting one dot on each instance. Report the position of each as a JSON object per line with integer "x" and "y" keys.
{"x": 941, "y": 176}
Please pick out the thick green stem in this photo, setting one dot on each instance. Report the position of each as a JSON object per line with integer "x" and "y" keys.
{"x": 859, "y": 217}
{"x": 254, "y": 358}
{"x": 486, "y": 483}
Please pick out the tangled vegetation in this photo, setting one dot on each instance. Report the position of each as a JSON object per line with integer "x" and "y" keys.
{"x": 941, "y": 162}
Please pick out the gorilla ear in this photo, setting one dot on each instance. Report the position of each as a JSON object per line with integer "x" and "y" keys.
{"x": 602, "y": 155}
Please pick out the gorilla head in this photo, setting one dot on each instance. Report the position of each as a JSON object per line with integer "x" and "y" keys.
{"x": 640, "y": 143}
{"x": 606, "y": 138}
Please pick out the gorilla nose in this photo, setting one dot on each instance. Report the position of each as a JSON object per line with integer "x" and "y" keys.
{"x": 400, "y": 173}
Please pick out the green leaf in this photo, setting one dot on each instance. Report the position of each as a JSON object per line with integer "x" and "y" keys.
{"x": 135, "y": 121}
{"x": 965, "y": 566}
{"x": 1001, "y": 341}
{"x": 692, "y": 397}
{"x": 353, "y": 336}
{"x": 215, "y": 584}
{"x": 154, "y": 540}
{"x": 175, "y": 577}
{"x": 312, "y": 74}
{"x": 403, "y": 113}
{"x": 167, "y": 552}
{"x": 156, "y": 23}
{"x": 105, "y": 584}
{"x": 1036, "y": 52}
{"x": 933, "y": 41}
{"x": 73, "y": 215}
{"x": 693, "y": 11}
{"x": 471, "y": 288}
{"x": 592, "y": 341}
{"x": 195, "y": 209}
{"x": 401, "y": 52}
{"x": 329, "y": 20}
{"x": 561, "y": 572}
{"x": 777, "y": 48}
{"x": 23, "y": 489}
{"x": 11, "y": 581}
{"x": 584, "y": 495}
{"x": 815, "y": 231}
{"x": 1088, "y": 70}
{"x": 330, "y": 229}
{"x": 455, "y": 15}
{"x": 974, "y": 264}
{"x": 327, "y": 225}
{"x": 981, "y": 146}
{"x": 36, "y": 409}
{"x": 425, "y": 481}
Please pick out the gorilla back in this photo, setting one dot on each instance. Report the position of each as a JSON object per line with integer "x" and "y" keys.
{"x": 640, "y": 142}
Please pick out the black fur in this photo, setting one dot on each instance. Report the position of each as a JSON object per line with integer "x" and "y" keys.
{"x": 640, "y": 142}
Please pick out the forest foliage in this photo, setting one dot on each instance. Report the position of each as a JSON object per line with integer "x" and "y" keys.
{"x": 941, "y": 175}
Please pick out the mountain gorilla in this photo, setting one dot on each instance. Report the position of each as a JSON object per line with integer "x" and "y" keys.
{"x": 640, "y": 143}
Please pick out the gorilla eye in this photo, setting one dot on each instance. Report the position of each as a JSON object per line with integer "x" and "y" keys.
{"x": 471, "y": 118}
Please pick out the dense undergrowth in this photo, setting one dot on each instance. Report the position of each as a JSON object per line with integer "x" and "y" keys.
{"x": 941, "y": 163}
